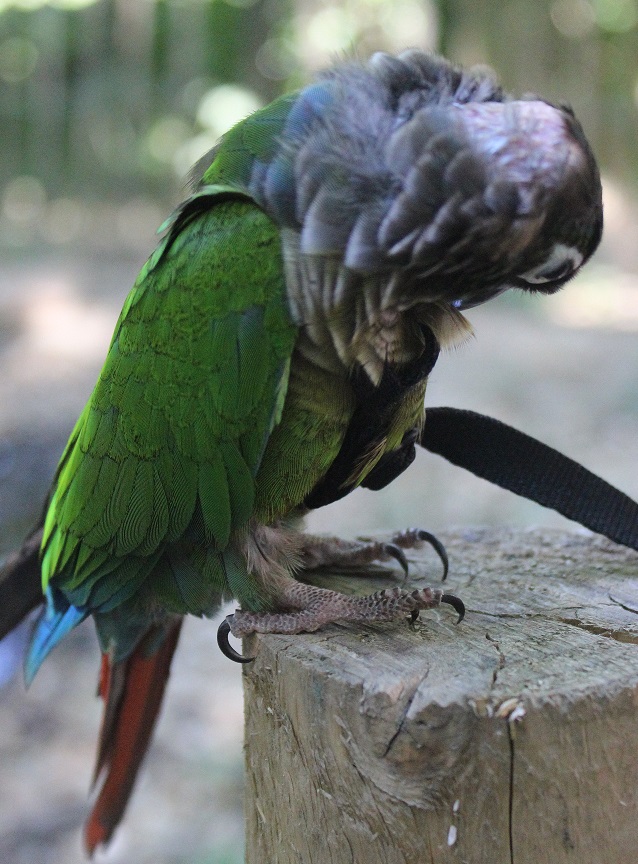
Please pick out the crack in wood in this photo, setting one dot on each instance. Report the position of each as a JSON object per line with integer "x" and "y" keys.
{"x": 404, "y": 714}
{"x": 624, "y": 636}
{"x": 510, "y": 815}
{"x": 501, "y": 658}
{"x": 622, "y": 605}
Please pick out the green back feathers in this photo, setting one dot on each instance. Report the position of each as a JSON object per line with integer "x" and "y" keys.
{"x": 163, "y": 460}
{"x": 254, "y": 139}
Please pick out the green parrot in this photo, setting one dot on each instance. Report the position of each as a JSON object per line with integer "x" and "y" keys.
{"x": 273, "y": 355}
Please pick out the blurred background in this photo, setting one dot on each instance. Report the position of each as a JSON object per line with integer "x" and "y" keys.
{"x": 104, "y": 105}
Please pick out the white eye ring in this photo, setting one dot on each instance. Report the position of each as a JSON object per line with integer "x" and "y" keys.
{"x": 562, "y": 261}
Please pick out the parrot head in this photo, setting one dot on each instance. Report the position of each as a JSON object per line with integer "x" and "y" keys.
{"x": 410, "y": 188}
{"x": 492, "y": 192}
{"x": 543, "y": 172}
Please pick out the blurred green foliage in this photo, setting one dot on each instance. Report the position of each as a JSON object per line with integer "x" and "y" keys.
{"x": 114, "y": 99}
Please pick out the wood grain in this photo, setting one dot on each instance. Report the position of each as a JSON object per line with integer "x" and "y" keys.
{"x": 511, "y": 738}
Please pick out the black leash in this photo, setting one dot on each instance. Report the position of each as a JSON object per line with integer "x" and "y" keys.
{"x": 516, "y": 461}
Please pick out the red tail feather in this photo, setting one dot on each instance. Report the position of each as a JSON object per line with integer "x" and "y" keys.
{"x": 132, "y": 691}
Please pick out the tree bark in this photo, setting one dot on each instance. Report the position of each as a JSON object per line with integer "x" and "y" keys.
{"x": 510, "y": 739}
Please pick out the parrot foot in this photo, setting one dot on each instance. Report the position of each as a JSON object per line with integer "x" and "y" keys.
{"x": 312, "y": 608}
{"x": 335, "y": 552}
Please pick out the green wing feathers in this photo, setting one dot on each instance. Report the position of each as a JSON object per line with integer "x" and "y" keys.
{"x": 256, "y": 138}
{"x": 161, "y": 466}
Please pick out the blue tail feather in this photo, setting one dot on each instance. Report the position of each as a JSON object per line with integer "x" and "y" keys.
{"x": 56, "y": 620}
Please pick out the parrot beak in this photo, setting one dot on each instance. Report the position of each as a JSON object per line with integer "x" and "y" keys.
{"x": 476, "y": 298}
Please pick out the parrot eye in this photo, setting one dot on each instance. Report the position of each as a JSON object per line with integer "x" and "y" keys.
{"x": 563, "y": 261}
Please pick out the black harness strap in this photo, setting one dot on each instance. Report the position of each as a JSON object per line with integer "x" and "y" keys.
{"x": 509, "y": 458}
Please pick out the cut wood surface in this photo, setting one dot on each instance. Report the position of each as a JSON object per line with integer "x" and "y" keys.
{"x": 510, "y": 738}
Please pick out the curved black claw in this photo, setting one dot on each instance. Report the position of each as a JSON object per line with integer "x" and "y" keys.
{"x": 456, "y": 603}
{"x": 398, "y": 554}
{"x": 223, "y": 631}
{"x": 438, "y": 547}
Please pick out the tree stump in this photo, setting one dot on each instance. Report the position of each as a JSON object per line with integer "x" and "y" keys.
{"x": 510, "y": 739}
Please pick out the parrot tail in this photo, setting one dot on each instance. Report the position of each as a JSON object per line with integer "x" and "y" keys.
{"x": 132, "y": 690}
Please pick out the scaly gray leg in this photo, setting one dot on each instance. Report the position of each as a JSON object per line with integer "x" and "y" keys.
{"x": 318, "y": 551}
{"x": 312, "y": 608}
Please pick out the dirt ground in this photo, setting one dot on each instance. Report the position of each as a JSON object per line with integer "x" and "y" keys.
{"x": 573, "y": 386}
